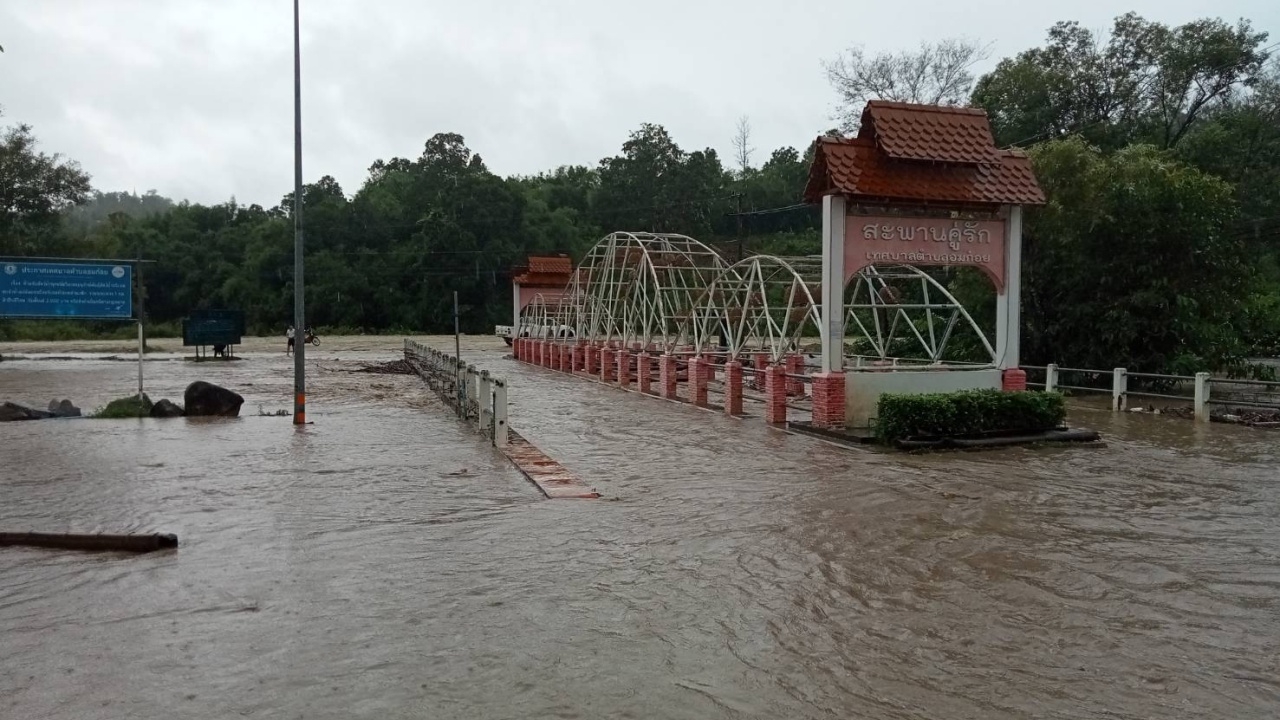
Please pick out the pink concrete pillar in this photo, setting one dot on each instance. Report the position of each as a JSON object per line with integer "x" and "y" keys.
{"x": 608, "y": 364}
{"x": 624, "y": 368}
{"x": 733, "y": 388}
{"x": 537, "y": 352}
{"x": 1013, "y": 380}
{"x": 795, "y": 366}
{"x": 642, "y": 372}
{"x": 547, "y": 347}
{"x": 775, "y": 395}
{"x": 593, "y": 359}
{"x": 760, "y": 361}
{"x": 575, "y": 358}
{"x": 564, "y": 358}
{"x": 667, "y": 376}
{"x": 698, "y": 381}
{"x": 828, "y": 400}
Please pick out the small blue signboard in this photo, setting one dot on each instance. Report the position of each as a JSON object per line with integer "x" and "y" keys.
{"x": 100, "y": 291}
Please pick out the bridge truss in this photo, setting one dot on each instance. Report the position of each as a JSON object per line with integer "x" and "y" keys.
{"x": 670, "y": 293}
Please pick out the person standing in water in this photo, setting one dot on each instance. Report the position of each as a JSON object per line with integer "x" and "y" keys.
{"x": 289, "y": 336}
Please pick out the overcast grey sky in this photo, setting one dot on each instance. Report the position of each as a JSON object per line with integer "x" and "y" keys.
{"x": 193, "y": 98}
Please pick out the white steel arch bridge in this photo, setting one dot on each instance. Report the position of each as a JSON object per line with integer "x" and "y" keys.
{"x": 669, "y": 293}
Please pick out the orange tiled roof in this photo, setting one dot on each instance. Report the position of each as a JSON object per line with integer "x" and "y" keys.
{"x": 531, "y": 279}
{"x": 922, "y": 154}
{"x": 545, "y": 271}
{"x": 930, "y": 132}
{"x": 560, "y": 264}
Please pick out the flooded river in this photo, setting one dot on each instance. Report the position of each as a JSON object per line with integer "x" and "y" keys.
{"x": 385, "y": 563}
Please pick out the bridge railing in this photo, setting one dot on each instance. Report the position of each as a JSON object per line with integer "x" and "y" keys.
{"x": 475, "y": 395}
{"x": 1263, "y": 394}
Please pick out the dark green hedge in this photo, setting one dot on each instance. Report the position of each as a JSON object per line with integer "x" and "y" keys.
{"x": 967, "y": 412}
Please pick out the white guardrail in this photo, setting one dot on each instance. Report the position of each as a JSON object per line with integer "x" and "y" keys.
{"x": 474, "y": 395}
{"x": 1201, "y": 397}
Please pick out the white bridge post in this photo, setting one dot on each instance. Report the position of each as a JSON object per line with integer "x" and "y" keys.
{"x": 500, "y": 413}
{"x": 1009, "y": 300}
{"x": 484, "y": 402}
{"x": 833, "y": 227}
{"x": 1202, "y": 397}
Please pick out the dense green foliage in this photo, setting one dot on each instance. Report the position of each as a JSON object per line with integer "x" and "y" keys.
{"x": 134, "y": 406}
{"x": 1134, "y": 253}
{"x": 968, "y": 412}
{"x": 1158, "y": 147}
{"x": 390, "y": 256}
{"x": 1159, "y": 150}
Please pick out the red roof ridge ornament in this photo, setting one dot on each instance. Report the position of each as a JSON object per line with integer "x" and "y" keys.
{"x": 908, "y": 154}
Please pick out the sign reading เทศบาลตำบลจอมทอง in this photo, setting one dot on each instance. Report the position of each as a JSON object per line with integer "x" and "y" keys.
{"x": 888, "y": 240}
{"x": 66, "y": 290}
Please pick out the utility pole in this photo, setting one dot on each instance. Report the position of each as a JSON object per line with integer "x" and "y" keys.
{"x": 739, "y": 196}
{"x": 299, "y": 297}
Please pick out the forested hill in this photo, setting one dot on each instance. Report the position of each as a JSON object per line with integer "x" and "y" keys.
{"x": 1158, "y": 147}
{"x": 390, "y": 254}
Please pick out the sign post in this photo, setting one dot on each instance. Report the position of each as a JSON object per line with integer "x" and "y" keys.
{"x": 141, "y": 351}
{"x": 299, "y": 296}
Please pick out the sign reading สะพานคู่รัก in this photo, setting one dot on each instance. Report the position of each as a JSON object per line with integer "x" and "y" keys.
{"x": 871, "y": 240}
{"x": 99, "y": 291}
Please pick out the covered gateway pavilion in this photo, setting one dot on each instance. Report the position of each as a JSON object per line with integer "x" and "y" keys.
{"x": 919, "y": 185}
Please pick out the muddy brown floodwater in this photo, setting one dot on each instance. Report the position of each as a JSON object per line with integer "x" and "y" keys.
{"x": 385, "y": 563}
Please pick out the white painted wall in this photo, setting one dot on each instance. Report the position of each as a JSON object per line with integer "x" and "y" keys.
{"x": 862, "y": 389}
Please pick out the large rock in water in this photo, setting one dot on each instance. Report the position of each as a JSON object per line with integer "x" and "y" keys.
{"x": 166, "y": 409}
{"x": 202, "y": 398}
{"x": 13, "y": 411}
{"x": 63, "y": 409}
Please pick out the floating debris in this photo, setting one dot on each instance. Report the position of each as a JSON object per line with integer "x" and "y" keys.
{"x": 393, "y": 367}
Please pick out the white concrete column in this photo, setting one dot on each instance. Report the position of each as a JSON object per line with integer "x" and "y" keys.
{"x": 1119, "y": 389}
{"x": 1009, "y": 302}
{"x": 515, "y": 308}
{"x": 1202, "y": 397}
{"x": 485, "y": 398}
{"x": 833, "y": 225}
{"x": 500, "y": 413}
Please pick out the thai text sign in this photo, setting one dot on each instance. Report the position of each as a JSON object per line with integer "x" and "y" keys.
{"x": 875, "y": 239}
{"x": 66, "y": 290}
{"x": 213, "y": 327}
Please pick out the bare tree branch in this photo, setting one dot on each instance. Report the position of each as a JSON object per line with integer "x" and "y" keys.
{"x": 742, "y": 147}
{"x": 936, "y": 74}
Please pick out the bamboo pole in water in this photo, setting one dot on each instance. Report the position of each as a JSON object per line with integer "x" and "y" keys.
{"x": 71, "y": 541}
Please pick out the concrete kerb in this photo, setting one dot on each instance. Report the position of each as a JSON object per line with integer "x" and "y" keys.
{"x": 436, "y": 368}
{"x": 632, "y": 388}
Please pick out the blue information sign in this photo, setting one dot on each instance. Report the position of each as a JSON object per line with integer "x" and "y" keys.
{"x": 66, "y": 290}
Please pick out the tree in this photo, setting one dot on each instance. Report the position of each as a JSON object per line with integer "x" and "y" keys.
{"x": 742, "y": 148}
{"x": 1146, "y": 83}
{"x": 35, "y": 188}
{"x": 937, "y": 74}
{"x": 1132, "y": 258}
